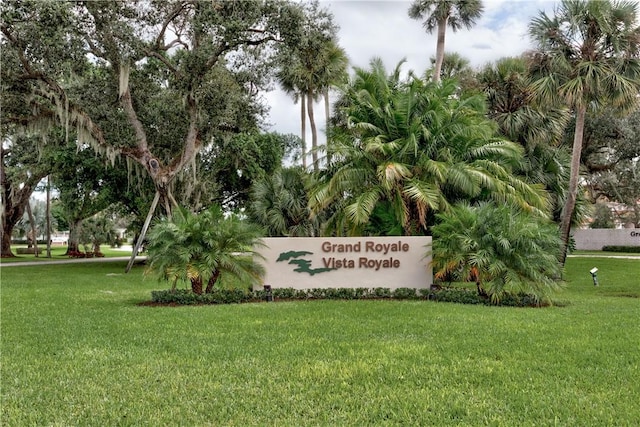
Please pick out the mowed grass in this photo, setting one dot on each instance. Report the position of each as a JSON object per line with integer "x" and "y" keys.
{"x": 78, "y": 350}
{"x": 59, "y": 253}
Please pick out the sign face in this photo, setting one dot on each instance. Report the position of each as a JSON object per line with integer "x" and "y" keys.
{"x": 347, "y": 262}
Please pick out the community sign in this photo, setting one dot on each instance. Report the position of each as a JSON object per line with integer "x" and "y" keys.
{"x": 347, "y": 262}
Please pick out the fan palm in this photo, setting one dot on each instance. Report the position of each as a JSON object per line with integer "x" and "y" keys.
{"x": 200, "y": 248}
{"x": 438, "y": 14}
{"x": 587, "y": 57}
{"x": 539, "y": 129}
{"x": 279, "y": 204}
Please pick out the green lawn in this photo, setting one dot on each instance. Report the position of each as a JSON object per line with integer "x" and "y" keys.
{"x": 77, "y": 350}
{"x": 59, "y": 253}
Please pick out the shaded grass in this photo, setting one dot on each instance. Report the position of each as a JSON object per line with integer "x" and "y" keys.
{"x": 77, "y": 350}
{"x": 58, "y": 253}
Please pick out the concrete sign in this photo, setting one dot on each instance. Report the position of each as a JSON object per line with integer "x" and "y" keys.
{"x": 347, "y": 262}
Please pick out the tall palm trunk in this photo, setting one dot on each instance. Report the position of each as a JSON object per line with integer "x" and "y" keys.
{"x": 212, "y": 281}
{"x": 314, "y": 131}
{"x": 303, "y": 130}
{"x": 442, "y": 28}
{"x": 570, "y": 202}
{"x": 196, "y": 285}
{"x": 48, "y": 216}
{"x": 34, "y": 234}
{"x": 327, "y": 115}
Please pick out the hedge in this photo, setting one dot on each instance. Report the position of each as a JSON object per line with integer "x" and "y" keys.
{"x": 627, "y": 249}
{"x": 236, "y": 296}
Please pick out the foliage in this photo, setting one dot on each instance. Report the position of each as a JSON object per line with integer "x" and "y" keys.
{"x": 187, "y": 297}
{"x": 610, "y": 156}
{"x": 236, "y": 296}
{"x": 627, "y": 249}
{"x": 587, "y": 57}
{"x": 499, "y": 248}
{"x": 21, "y": 170}
{"x": 153, "y": 82}
{"x": 85, "y": 187}
{"x": 200, "y": 248}
{"x": 538, "y": 127}
{"x": 602, "y": 217}
{"x": 96, "y": 231}
{"x": 412, "y": 148}
{"x": 239, "y": 161}
{"x": 455, "y": 66}
{"x": 38, "y": 207}
{"x": 279, "y": 204}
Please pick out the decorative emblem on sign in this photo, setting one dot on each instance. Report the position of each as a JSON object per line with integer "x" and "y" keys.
{"x": 303, "y": 265}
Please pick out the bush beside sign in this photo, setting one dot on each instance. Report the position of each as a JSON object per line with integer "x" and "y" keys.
{"x": 347, "y": 262}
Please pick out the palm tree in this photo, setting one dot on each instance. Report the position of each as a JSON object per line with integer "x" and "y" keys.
{"x": 456, "y": 66}
{"x": 412, "y": 147}
{"x": 587, "y": 57}
{"x": 438, "y": 14}
{"x": 279, "y": 204}
{"x": 310, "y": 67}
{"x": 538, "y": 128}
{"x": 498, "y": 247}
{"x": 200, "y": 248}
{"x": 97, "y": 230}
{"x": 334, "y": 74}
{"x": 290, "y": 80}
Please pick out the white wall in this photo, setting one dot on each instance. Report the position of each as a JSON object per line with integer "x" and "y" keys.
{"x": 596, "y": 238}
{"x": 347, "y": 262}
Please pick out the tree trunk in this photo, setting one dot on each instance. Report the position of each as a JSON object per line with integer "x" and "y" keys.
{"x": 34, "y": 234}
{"x": 7, "y": 229}
{"x": 48, "y": 213}
{"x": 481, "y": 291}
{"x": 442, "y": 29}
{"x": 73, "y": 242}
{"x": 196, "y": 285}
{"x": 14, "y": 201}
{"x": 212, "y": 281}
{"x": 572, "y": 193}
{"x": 7, "y": 226}
{"x": 143, "y": 233}
{"x": 327, "y": 116}
{"x": 14, "y": 207}
{"x": 314, "y": 132}
{"x": 303, "y": 130}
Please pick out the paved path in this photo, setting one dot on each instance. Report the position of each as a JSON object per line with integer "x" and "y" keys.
{"x": 605, "y": 256}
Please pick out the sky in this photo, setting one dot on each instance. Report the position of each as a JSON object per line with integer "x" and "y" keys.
{"x": 383, "y": 29}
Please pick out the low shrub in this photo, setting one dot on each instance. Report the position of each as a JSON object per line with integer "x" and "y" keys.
{"x": 458, "y": 295}
{"x": 382, "y": 293}
{"x": 404, "y": 293}
{"x": 627, "y": 249}
{"x": 237, "y": 296}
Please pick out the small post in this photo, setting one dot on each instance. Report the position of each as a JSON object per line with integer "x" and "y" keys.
{"x": 594, "y": 274}
{"x": 268, "y": 295}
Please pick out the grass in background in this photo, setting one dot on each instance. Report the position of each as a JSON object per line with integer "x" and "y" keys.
{"x": 77, "y": 350}
{"x": 59, "y": 253}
